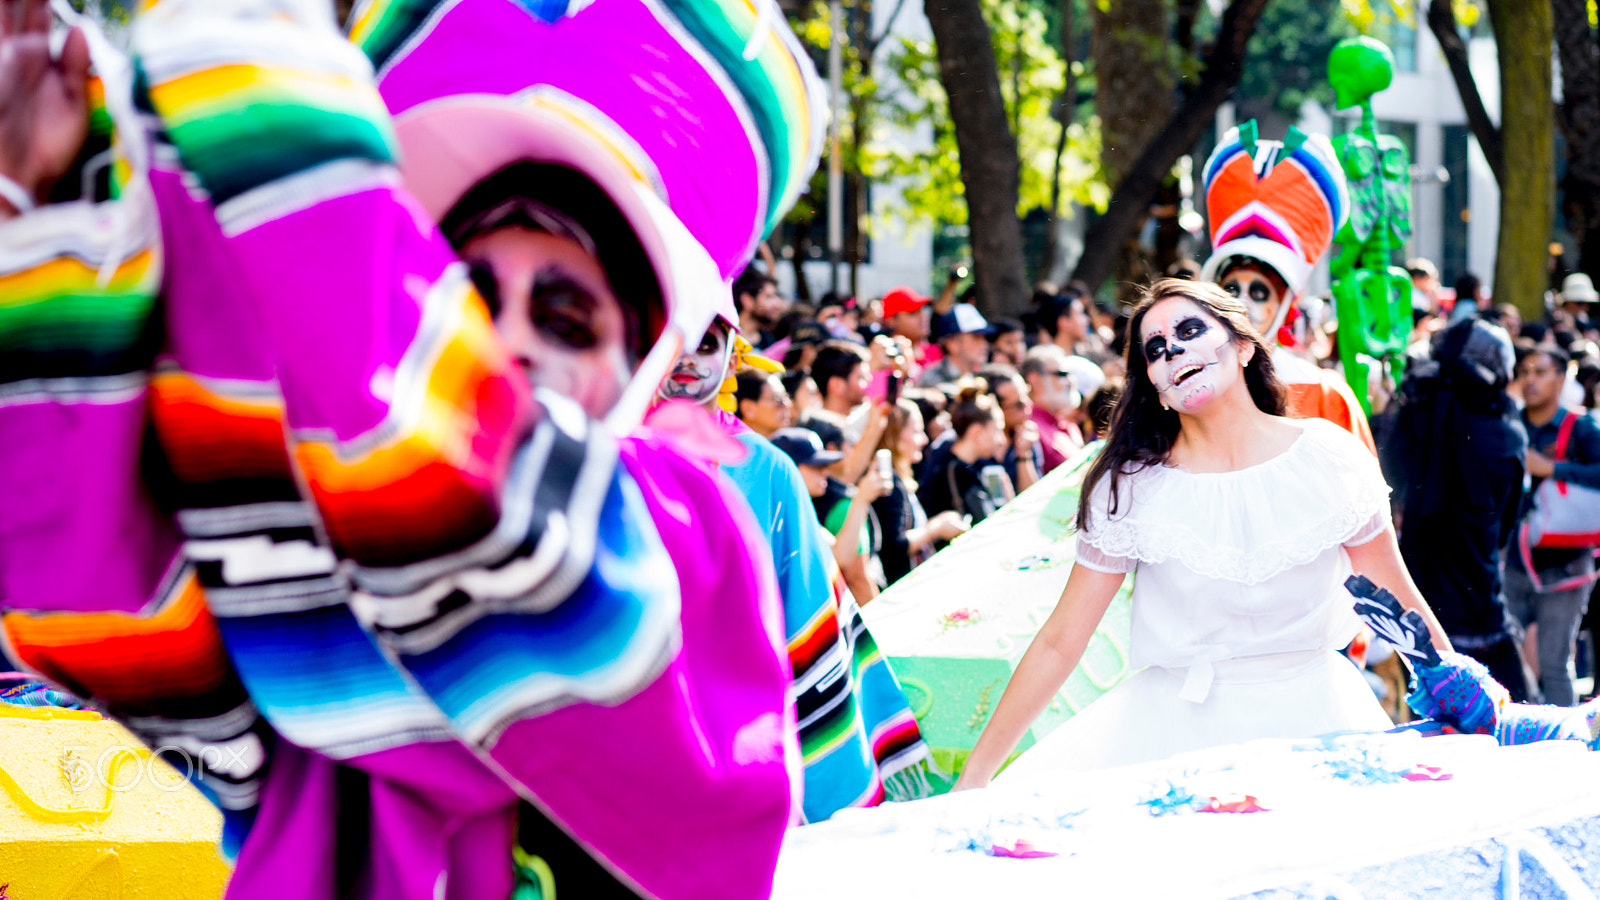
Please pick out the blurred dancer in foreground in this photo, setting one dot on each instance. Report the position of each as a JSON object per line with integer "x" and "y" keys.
{"x": 345, "y": 558}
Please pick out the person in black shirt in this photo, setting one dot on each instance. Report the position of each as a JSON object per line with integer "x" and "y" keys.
{"x": 1455, "y": 461}
{"x": 1552, "y": 609}
{"x": 1022, "y": 457}
{"x": 909, "y": 535}
{"x": 971, "y": 482}
{"x": 755, "y": 293}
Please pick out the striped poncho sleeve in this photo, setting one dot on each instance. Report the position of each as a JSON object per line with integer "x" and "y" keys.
{"x": 313, "y": 495}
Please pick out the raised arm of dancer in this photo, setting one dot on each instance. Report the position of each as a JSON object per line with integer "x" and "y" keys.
{"x": 847, "y": 547}
{"x": 1051, "y": 657}
{"x": 1379, "y": 559}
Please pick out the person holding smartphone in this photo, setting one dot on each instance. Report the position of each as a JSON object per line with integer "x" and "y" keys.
{"x": 843, "y": 509}
{"x": 1023, "y": 458}
{"x": 909, "y": 535}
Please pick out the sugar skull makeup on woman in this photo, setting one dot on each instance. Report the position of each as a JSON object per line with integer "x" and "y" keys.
{"x": 1194, "y": 346}
{"x": 1191, "y": 356}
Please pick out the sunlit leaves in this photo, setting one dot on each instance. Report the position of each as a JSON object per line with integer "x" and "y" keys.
{"x": 1368, "y": 15}
{"x": 928, "y": 178}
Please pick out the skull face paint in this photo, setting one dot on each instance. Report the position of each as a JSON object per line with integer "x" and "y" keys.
{"x": 700, "y": 372}
{"x": 1191, "y": 356}
{"x": 1258, "y": 291}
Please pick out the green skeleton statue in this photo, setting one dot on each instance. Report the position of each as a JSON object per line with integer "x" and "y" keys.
{"x": 1370, "y": 293}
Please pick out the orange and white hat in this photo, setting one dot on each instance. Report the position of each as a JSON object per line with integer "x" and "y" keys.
{"x": 1277, "y": 202}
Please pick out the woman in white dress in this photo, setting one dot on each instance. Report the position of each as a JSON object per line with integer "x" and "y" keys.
{"x": 1242, "y": 526}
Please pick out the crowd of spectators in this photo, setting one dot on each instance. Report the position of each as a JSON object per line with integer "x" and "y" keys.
{"x": 970, "y": 412}
{"x": 963, "y": 412}
{"x": 1490, "y": 407}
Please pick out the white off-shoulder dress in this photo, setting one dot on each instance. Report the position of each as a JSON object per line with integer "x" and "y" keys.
{"x": 1239, "y": 607}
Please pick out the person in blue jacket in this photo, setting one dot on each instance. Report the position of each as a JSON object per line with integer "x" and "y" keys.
{"x": 859, "y": 741}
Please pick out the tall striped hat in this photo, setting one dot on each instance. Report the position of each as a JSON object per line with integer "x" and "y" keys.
{"x": 701, "y": 120}
{"x": 1280, "y": 203}
{"x": 712, "y": 104}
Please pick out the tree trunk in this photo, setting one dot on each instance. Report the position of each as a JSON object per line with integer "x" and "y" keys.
{"x": 1065, "y": 109}
{"x": 1442, "y": 22}
{"x": 1183, "y": 30}
{"x": 1222, "y": 66}
{"x": 1580, "y": 92}
{"x": 990, "y": 170}
{"x": 1127, "y": 41}
{"x": 855, "y": 211}
{"x": 1135, "y": 83}
{"x": 1523, "y": 34}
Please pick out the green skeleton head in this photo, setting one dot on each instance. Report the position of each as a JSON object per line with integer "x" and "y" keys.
{"x": 1359, "y": 67}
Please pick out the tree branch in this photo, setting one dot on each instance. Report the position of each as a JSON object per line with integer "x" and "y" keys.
{"x": 888, "y": 26}
{"x": 1442, "y": 22}
{"x": 990, "y": 169}
{"x": 1579, "y": 118}
{"x": 1223, "y": 66}
{"x": 1580, "y": 87}
{"x": 1188, "y": 11}
{"x": 1064, "y": 110}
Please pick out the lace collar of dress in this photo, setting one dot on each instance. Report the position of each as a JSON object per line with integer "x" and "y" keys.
{"x": 1249, "y": 525}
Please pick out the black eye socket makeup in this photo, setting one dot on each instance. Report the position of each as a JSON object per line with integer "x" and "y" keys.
{"x": 1256, "y": 291}
{"x": 1187, "y": 330}
{"x": 1191, "y": 328}
{"x": 708, "y": 344}
{"x": 564, "y": 311}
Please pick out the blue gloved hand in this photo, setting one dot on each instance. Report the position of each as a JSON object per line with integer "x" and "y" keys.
{"x": 1459, "y": 690}
{"x": 1401, "y": 628}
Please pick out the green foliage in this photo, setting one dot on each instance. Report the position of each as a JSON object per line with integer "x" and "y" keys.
{"x": 1369, "y": 16}
{"x": 1031, "y": 77}
{"x": 1286, "y": 61}
{"x": 1051, "y": 10}
{"x": 860, "y": 88}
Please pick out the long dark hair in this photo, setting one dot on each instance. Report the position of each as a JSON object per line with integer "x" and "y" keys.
{"x": 1142, "y": 432}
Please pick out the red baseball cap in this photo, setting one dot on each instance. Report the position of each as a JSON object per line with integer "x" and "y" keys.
{"x": 903, "y": 299}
